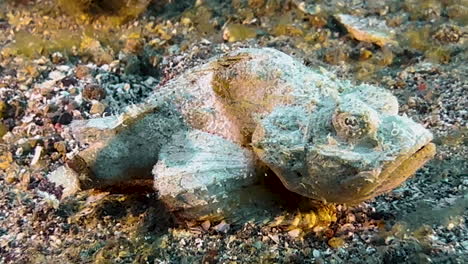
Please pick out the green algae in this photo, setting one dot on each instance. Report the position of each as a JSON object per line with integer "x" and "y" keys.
{"x": 422, "y": 40}
{"x": 454, "y": 139}
{"x": 200, "y": 18}
{"x": 430, "y": 215}
{"x": 439, "y": 54}
{"x": 33, "y": 45}
{"x": 423, "y": 9}
{"x": 113, "y": 12}
{"x": 88, "y": 42}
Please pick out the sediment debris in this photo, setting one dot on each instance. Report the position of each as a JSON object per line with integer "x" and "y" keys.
{"x": 67, "y": 178}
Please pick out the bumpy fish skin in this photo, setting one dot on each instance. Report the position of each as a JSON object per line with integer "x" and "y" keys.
{"x": 325, "y": 138}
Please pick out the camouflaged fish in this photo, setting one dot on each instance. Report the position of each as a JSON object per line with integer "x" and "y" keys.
{"x": 206, "y": 137}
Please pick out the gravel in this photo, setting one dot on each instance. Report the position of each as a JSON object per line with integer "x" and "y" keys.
{"x": 423, "y": 221}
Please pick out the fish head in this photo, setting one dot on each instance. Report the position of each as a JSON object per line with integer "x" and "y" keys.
{"x": 347, "y": 149}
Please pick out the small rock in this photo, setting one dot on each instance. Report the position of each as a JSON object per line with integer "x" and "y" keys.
{"x": 133, "y": 45}
{"x": 275, "y": 238}
{"x": 206, "y": 225}
{"x": 75, "y": 91}
{"x": 307, "y": 7}
{"x": 316, "y": 253}
{"x": 258, "y": 245}
{"x": 450, "y": 226}
{"x": 222, "y": 227}
{"x": 336, "y": 242}
{"x": 63, "y": 118}
{"x": 9, "y": 138}
{"x": 50, "y": 199}
{"x": 150, "y": 82}
{"x": 55, "y": 156}
{"x": 346, "y": 228}
{"x": 10, "y": 177}
{"x": 448, "y": 33}
{"x": 63, "y": 68}
{"x": 61, "y": 147}
{"x": 3, "y": 130}
{"x": 412, "y": 102}
{"x": 97, "y": 108}
{"x": 67, "y": 178}
{"x": 350, "y": 218}
{"x": 68, "y": 81}
{"x": 365, "y": 54}
{"x": 94, "y": 92}
{"x": 37, "y": 155}
{"x": 57, "y": 58}
{"x": 25, "y": 180}
{"x": 56, "y": 75}
{"x": 295, "y": 233}
{"x": 464, "y": 244}
{"x": 3, "y": 108}
{"x": 5, "y": 160}
{"x": 46, "y": 85}
{"x": 367, "y": 29}
{"x": 82, "y": 72}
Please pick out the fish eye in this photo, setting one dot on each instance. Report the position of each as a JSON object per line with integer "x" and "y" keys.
{"x": 350, "y": 126}
{"x": 351, "y": 121}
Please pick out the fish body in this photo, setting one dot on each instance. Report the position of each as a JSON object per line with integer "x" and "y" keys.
{"x": 213, "y": 131}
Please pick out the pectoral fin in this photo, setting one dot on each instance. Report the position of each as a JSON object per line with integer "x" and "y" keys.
{"x": 203, "y": 174}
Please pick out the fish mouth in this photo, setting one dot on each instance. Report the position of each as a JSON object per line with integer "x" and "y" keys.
{"x": 415, "y": 149}
{"x": 390, "y": 177}
{"x": 368, "y": 184}
{"x": 397, "y": 171}
{"x": 364, "y": 185}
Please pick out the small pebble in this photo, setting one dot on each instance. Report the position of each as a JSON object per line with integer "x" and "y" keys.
{"x": 295, "y": 233}
{"x": 222, "y": 227}
{"x": 94, "y": 92}
{"x": 82, "y": 72}
{"x": 206, "y": 225}
{"x": 97, "y": 108}
{"x": 316, "y": 253}
{"x": 336, "y": 242}
{"x": 64, "y": 118}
